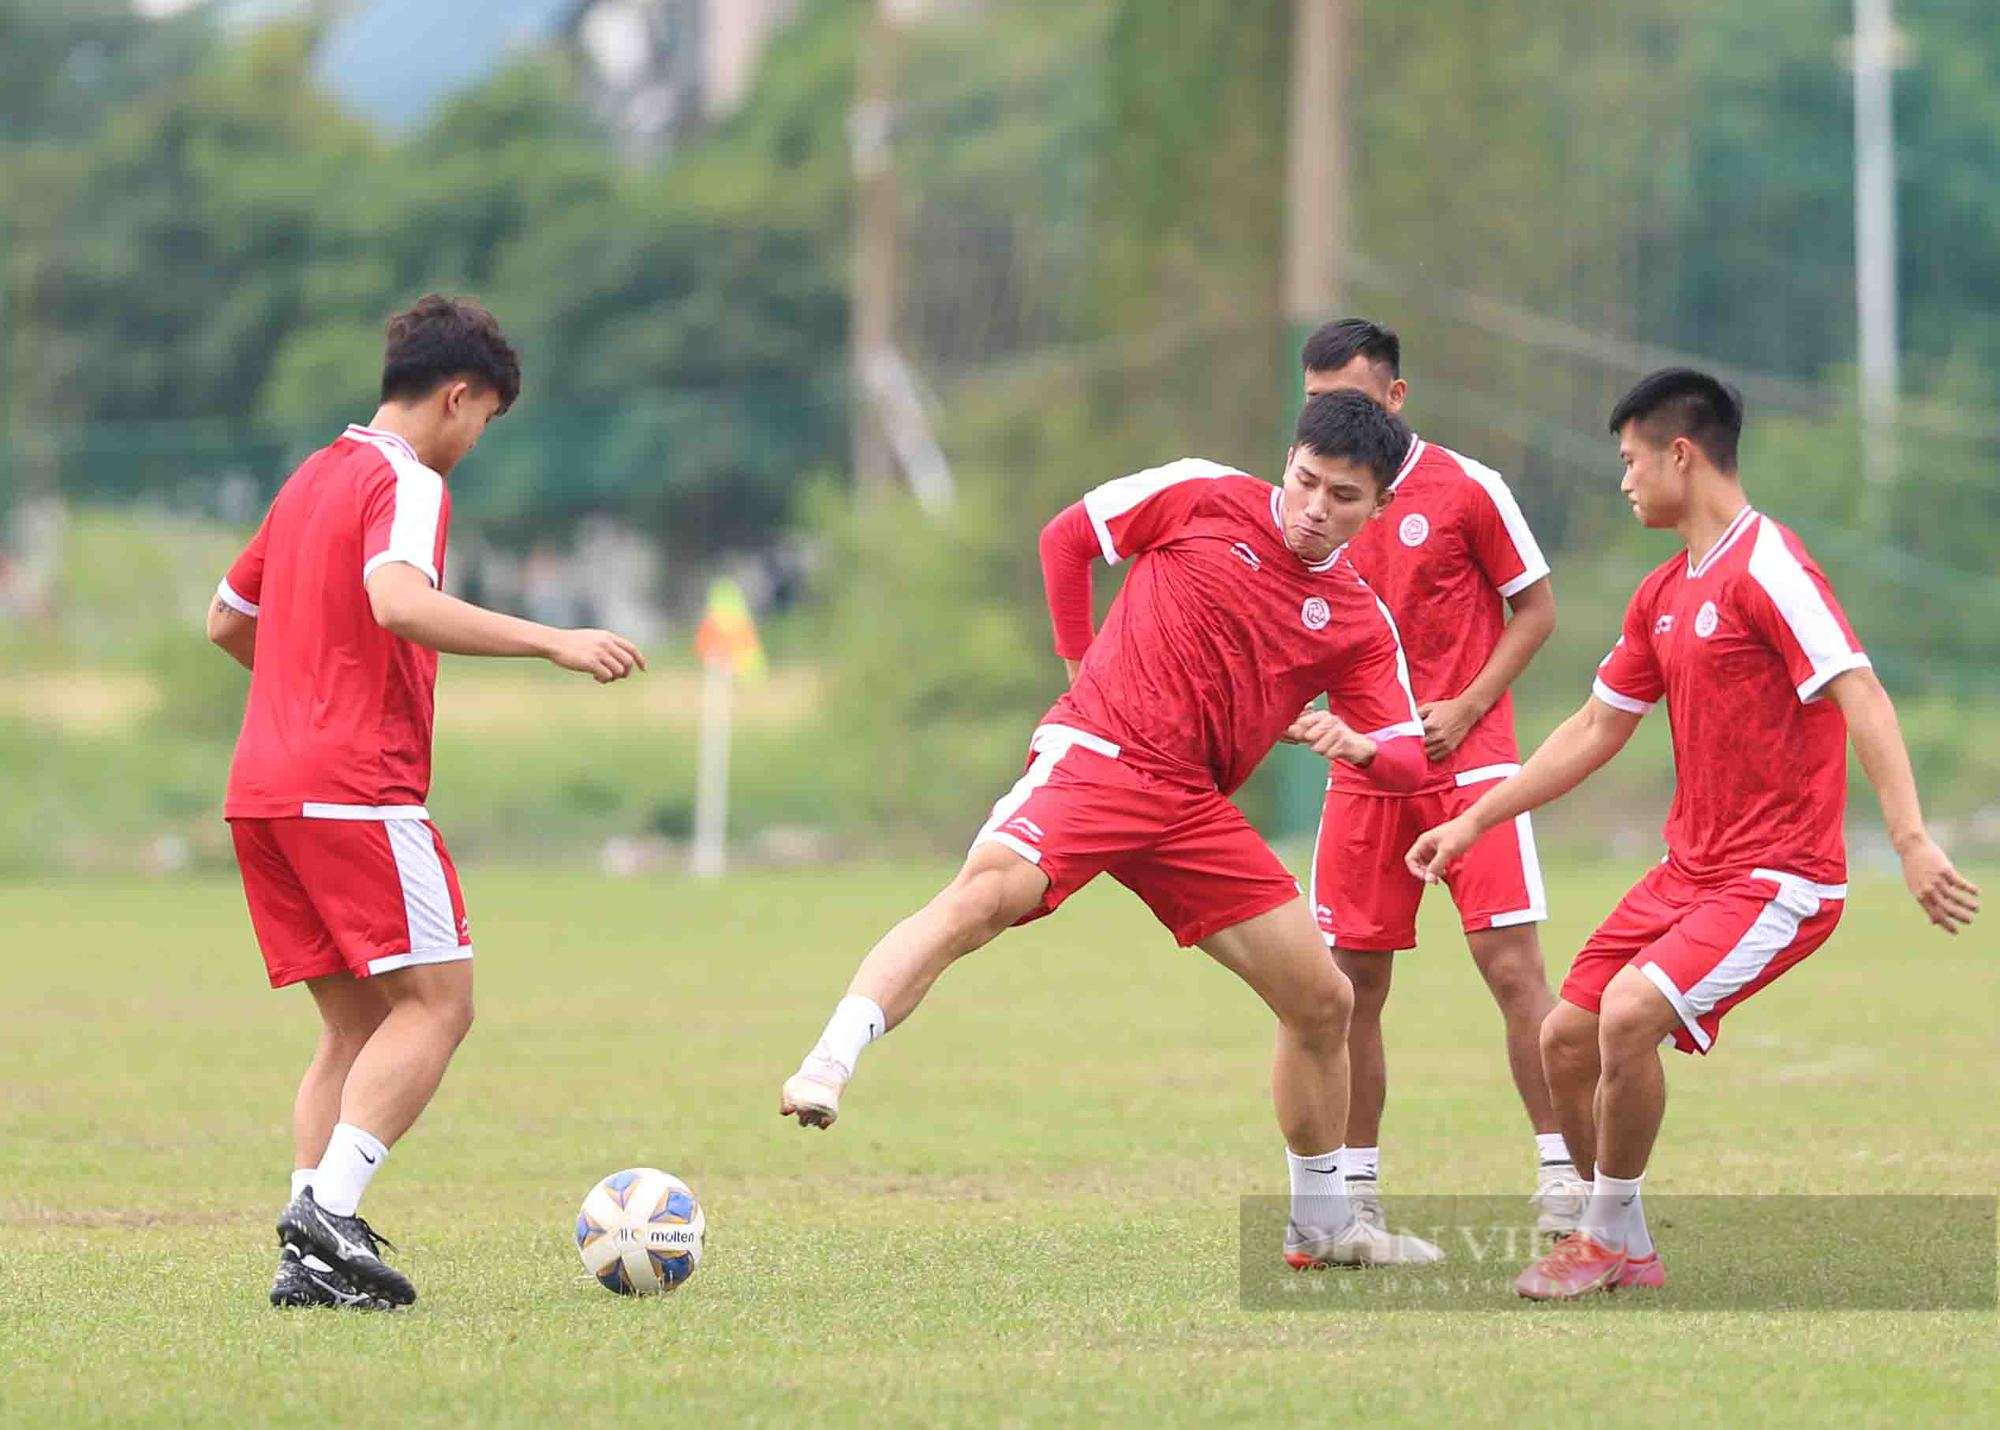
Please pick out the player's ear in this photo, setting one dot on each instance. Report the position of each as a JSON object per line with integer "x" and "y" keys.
{"x": 1398, "y": 390}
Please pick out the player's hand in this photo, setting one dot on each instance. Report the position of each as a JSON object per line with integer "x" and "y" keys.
{"x": 1295, "y": 733}
{"x": 1436, "y": 848}
{"x": 601, "y": 655}
{"x": 1948, "y": 897}
{"x": 1447, "y": 723}
{"x": 1331, "y": 738}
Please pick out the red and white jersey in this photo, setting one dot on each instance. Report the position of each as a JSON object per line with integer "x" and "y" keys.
{"x": 1741, "y": 646}
{"x": 1443, "y": 557}
{"x": 1221, "y": 634}
{"x": 338, "y": 725}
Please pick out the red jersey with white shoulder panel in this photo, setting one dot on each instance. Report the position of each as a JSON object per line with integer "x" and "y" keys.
{"x": 1741, "y": 646}
{"x": 338, "y": 723}
{"x": 1222, "y": 634}
{"x": 1444, "y": 557}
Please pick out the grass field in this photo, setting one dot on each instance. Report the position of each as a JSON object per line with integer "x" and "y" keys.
{"x": 1028, "y": 1214}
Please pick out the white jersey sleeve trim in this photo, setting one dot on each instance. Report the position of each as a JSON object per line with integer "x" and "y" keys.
{"x": 1616, "y": 701}
{"x": 1803, "y": 609}
{"x": 419, "y": 504}
{"x": 226, "y": 594}
{"x": 1114, "y": 498}
{"x": 1534, "y": 565}
{"x": 1484, "y": 773}
{"x": 1397, "y": 731}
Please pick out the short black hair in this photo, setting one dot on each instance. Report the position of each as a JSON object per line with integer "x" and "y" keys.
{"x": 1352, "y": 426}
{"x": 1340, "y": 342}
{"x": 1681, "y": 402}
{"x": 439, "y": 338}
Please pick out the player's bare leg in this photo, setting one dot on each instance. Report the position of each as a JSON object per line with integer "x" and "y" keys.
{"x": 391, "y": 1081}
{"x": 398, "y": 1070}
{"x": 1282, "y": 956}
{"x": 1510, "y": 960}
{"x": 1613, "y": 1247}
{"x": 1570, "y": 1060}
{"x": 993, "y": 890}
{"x": 350, "y": 1010}
{"x": 1370, "y": 974}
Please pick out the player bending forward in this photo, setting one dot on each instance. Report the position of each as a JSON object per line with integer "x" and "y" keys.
{"x": 1240, "y": 608}
{"x": 335, "y": 607}
{"x": 1455, "y": 549}
{"x": 1764, "y": 681}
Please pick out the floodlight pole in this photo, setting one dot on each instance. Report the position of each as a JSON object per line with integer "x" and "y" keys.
{"x": 872, "y": 291}
{"x": 1875, "y": 58}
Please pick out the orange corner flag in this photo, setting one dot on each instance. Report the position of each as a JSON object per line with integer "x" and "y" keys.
{"x": 727, "y": 637}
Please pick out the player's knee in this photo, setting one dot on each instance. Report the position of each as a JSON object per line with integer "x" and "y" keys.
{"x": 1569, "y": 1041}
{"x": 978, "y": 906}
{"x": 1627, "y": 1025}
{"x": 1324, "y": 1013}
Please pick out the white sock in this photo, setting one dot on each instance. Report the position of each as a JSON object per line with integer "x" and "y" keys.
{"x": 352, "y": 1158}
{"x": 1550, "y": 1149}
{"x": 1362, "y": 1163}
{"x": 856, "y": 1022}
{"x": 1638, "y": 1236}
{"x": 1319, "y": 1194}
{"x": 1611, "y": 1211}
{"x": 301, "y": 1179}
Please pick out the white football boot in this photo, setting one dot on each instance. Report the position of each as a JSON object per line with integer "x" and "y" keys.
{"x": 1559, "y": 1199}
{"x": 1358, "y": 1245}
{"x": 812, "y": 1094}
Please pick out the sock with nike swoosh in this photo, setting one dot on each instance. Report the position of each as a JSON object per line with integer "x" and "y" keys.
{"x": 1320, "y": 1208}
{"x": 352, "y": 1158}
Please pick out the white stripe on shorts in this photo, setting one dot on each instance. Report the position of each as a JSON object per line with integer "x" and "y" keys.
{"x": 426, "y": 895}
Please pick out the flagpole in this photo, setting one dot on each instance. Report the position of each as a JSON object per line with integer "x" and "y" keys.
{"x": 711, "y": 801}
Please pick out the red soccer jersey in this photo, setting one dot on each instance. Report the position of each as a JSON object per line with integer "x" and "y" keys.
{"x": 1443, "y": 557}
{"x": 1221, "y": 635}
{"x": 339, "y": 719}
{"x": 1742, "y": 647}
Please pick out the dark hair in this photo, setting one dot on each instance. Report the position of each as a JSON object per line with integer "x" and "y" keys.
{"x": 440, "y": 338}
{"x": 1680, "y": 402}
{"x": 1351, "y": 426}
{"x": 1341, "y": 341}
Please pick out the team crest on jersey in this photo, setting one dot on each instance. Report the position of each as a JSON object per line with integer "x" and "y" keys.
{"x": 1706, "y": 620}
{"x": 1247, "y": 555}
{"x": 1415, "y": 529}
{"x": 1315, "y": 613}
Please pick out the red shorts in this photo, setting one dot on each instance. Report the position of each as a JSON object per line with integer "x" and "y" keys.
{"x": 1706, "y": 946}
{"x": 1080, "y": 811}
{"x": 359, "y": 896}
{"x": 1365, "y": 896}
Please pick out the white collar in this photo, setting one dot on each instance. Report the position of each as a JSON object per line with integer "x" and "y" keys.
{"x": 378, "y": 436}
{"x": 1729, "y": 536}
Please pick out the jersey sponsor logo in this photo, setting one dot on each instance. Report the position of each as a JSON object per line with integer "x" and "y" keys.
{"x": 1414, "y": 530}
{"x": 1247, "y": 555}
{"x": 1706, "y": 620}
{"x": 1663, "y": 625}
{"x": 1315, "y": 613}
{"x": 1024, "y": 826}
{"x": 1325, "y": 916}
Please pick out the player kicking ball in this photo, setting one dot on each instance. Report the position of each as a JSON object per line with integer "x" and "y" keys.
{"x": 1449, "y": 563}
{"x": 1240, "y": 609}
{"x": 1765, "y": 683}
{"x": 336, "y": 609}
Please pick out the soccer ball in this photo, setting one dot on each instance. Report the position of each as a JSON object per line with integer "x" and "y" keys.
{"x": 640, "y": 1232}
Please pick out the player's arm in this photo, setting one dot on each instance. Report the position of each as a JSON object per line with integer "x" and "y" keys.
{"x": 1948, "y": 897}
{"x": 1114, "y": 521}
{"x": 1533, "y": 620}
{"x": 234, "y": 631}
{"x": 406, "y": 604}
{"x": 1577, "y": 749}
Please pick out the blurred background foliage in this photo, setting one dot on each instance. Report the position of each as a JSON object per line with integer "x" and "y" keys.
{"x": 199, "y": 243}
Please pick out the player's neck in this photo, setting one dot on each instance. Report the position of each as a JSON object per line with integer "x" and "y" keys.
{"x": 409, "y": 424}
{"x": 1715, "y": 505}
